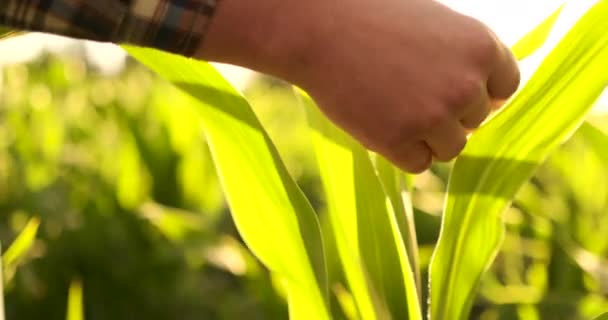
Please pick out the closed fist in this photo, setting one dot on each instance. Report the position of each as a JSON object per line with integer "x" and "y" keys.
{"x": 407, "y": 78}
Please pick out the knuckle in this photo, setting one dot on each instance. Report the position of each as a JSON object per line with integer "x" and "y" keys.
{"x": 473, "y": 122}
{"x": 403, "y": 128}
{"x": 407, "y": 153}
{"x": 443, "y": 155}
{"x": 484, "y": 45}
{"x": 483, "y": 115}
{"x": 453, "y": 151}
{"x": 465, "y": 91}
{"x": 419, "y": 163}
{"x": 397, "y": 135}
{"x": 516, "y": 80}
{"x": 432, "y": 118}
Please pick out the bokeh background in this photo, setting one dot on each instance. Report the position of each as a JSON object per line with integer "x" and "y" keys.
{"x": 111, "y": 162}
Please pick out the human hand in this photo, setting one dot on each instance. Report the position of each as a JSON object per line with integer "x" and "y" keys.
{"x": 407, "y": 78}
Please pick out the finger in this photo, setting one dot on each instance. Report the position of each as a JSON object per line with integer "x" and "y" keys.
{"x": 447, "y": 141}
{"x": 477, "y": 112}
{"x": 413, "y": 157}
{"x": 504, "y": 78}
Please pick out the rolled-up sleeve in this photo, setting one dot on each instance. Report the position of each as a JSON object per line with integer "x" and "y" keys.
{"x": 177, "y": 26}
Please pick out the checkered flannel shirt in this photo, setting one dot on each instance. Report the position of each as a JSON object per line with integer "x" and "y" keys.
{"x": 176, "y": 26}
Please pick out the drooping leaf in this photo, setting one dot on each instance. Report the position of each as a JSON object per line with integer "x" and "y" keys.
{"x": 271, "y": 212}
{"x": 75, "y": 309}
{"x": 535, "y": 38}
{"x": 368, "y": 237}
{"x": 504, "y": 153}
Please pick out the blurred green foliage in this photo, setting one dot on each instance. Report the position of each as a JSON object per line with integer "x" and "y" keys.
{"x": 117, "y": 169}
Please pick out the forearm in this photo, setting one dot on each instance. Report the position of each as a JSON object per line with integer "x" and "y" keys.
{"x": 407, "y": 78}
{"x": 272, "y": 36}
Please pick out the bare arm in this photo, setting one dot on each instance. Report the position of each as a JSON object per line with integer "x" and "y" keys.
{"x": 407, "y": 78}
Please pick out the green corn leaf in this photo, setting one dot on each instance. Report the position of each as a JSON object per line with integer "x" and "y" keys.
{"x": 368, "y": 237}
{"x": 504, "y": 153}
{"x": 270, "y": 211}
{"x": 75, "y": 307}
{"x": 602, "y": 317}
{"x": 395, "y": 183}
{"x": 22, "y": 244}
{"x": 535, "y": 38}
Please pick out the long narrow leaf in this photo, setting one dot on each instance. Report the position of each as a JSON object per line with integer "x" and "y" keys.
{"x": 270, "y": 211}
{"x": 504, "y": 153}
{"x": 535, "y": 38}
{"x": 20, "y": 247}
{"x": 75, "y": 307}
{"x": 399, "y": 193}
{"x": 369, "y": 241}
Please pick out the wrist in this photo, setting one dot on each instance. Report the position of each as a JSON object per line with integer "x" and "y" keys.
{"x": 276, "y": 37}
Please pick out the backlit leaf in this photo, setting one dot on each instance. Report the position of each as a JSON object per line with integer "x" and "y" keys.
{"x": 270, "y": 211}
{"x": 398, "y": 189}
{"x": 368, "y": 237}
{"x": 504, "y": 153}
{"x": 535, "y": 38}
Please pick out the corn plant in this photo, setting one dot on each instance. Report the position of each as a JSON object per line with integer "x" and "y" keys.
{"x": 371, "y": 225}
{"x": 369, "y": 217}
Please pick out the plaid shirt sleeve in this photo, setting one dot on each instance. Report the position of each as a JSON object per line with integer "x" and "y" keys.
{"x": 176, "y": 26}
